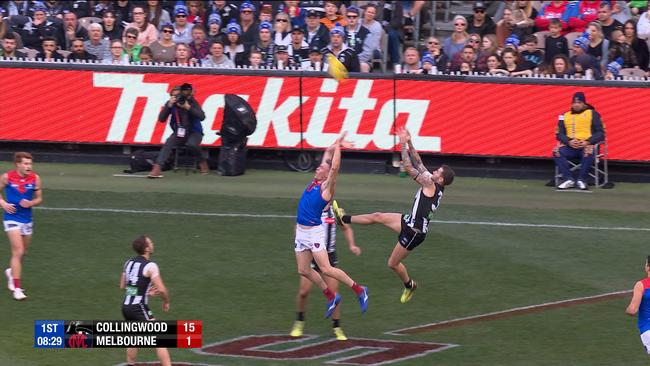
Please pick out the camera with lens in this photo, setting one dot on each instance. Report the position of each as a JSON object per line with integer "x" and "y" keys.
{"x": 181, "y": 99}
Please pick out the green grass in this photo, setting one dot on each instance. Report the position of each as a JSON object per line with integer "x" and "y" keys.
{"x": 238, "y": 274}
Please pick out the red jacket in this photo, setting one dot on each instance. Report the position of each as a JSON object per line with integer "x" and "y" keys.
{"x": 587, "y": 12}
{"x": 548, "y": 12}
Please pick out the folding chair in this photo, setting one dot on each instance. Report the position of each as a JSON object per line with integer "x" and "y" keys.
{"x": 599, "y": 172}
{"x": 184, "y": 160}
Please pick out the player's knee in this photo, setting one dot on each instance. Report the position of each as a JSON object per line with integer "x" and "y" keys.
{"x": 303, "y": 293}
{"x": 328, "y": 271}
{"x": 392, "y": 264}
{"x": 304, "y": 271}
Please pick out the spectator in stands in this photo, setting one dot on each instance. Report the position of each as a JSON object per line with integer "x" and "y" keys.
{"x": 49, "y": 52}
{"x": 37, "y": 28}
{"x": 342, "y": 52}
{"x": 440, "y": 58}
{"x": 598, "y": 45}
{"x": 607, "y": 23}
{"x": 146, "y": 56}
{"x": 372, "y": 43}
{"x": 552, "y": 10}
{"x": 411, "y": 63}
{"x": 266, "y": 14}
{"x": 488, "y": 47}
{"x": 513, "y": 42}
{"x": 468, "y": 54}
{"x": 316, "y": 60}
{"x": 531, "y": 58}
{"x": 640, "y": 47}
{"x": 156, "y": 15}
{"x": 466, "y": 68}
{"x": 577, "y": 132}
{"x": 196, "y": 12}
{"x": 494, "y": 65}
{"x": 265, "y": 44}
{"x": 199, "y": 47}
{"x": 56, "y": 8}
{"x": 298, "y": 48}
{"x": 110, "y": 27}
{"x": 480, "y": 22}
{"x": 638, "y": 7}
{"x": 613, "y": 69}
{"x": 295, "y": 12}
{"x": 428, "y": 64}
{"x": 643, "y": 27}
{"x": 9, "y": 47}
{"x": 131, "y": 47}
{"x": 475, "y": 41}
{"x": 214, "y": 29}
{"x": 584, "y": 64}
{"x": 580, "y": 13}
{"x": 523, "y": 15}
{"x": 281, "y": 30}
{"x": 332, "y": 17}
{"x": 555, "y": 44}
{"x": 217, "y": 57}
{"x": 185, "y": 121}
{"x": 96, "y": 44}
{"x": 281, "y": 59}
{"x": 411, "y": 9}
{"x": 618, "y": 48}
{"x": 79, "y": 52}
{"x": 458, "y": 38}
{"x": 72, "y": 30}
{"x": 255, "y": 60}
{"x": 122, "y": 9}
{"x": 18, "y": 8}
{"x": 164, "y": 49}
{"x": 512, "y": 64}
{"x": 147, "y": 32}
{"x": 620, "y": 11}
{"x": 316, "y": 34}
{"x": 184, "y": 56}
{"x": 356, "y": 34}
{"x": 182, "y": 29}
{"x": 118, "y": 56}
{"x": 234, "y": 49}
{"x": 249, "y": 28}
{"x": 227, "y": 12}
{"x": 559, "y": 67}
{"x": 505, "y": 27}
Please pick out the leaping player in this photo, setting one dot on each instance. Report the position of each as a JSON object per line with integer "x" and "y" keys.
{"x": 413, "y": 226}
{"x": 22, "y": 192}
{"x": 310, "y": 235}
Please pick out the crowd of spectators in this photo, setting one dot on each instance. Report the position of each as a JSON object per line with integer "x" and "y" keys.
{"x": 579, "y": 39}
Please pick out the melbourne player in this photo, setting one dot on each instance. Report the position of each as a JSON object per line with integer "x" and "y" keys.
{"x": 412, "y": 227}
{"x": 22, "y": 188}
{"x": 329, "y": 225}
{"x": 640, "y": 304}
{"x": 141, "y": 279}
{"x": 310, "y": 235}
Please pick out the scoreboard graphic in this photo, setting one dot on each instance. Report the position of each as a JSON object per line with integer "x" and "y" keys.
{"x": 117, "y": 334}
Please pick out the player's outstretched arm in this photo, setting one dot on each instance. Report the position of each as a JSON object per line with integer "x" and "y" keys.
{"x": 424, "y": 177}
{"x": 349, "y": 237}
{"x": 415, "y": 157}
{"x": 122, "y": 281}
{"x": 637, "y": 295}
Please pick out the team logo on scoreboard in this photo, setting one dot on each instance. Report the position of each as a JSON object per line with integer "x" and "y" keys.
{"x": 78, "y": 334}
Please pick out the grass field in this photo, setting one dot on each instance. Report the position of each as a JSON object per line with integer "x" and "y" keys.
{"x": 238, "y": 274}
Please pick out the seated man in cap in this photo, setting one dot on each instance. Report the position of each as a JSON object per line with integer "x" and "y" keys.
{"x": 298, "y": 49}
{"x": 316, "y": 34}
{"x": 265, "y": 44}
{"x": 578, "y": 130}
{"x": 182, "y": 29}
{"x": 583, "y": 61}
{"x": 356, "y": 34}
{"x": 282, "y": 60}
{"x": 480, "y": 22}
{"x": 343, "y": 53}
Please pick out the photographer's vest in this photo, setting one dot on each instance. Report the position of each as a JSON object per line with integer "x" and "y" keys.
{"x": 578, "y": 126}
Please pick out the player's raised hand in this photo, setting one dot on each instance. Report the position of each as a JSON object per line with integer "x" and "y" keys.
{"x": 403, "y": 135}
{"x": 343, "y": 142}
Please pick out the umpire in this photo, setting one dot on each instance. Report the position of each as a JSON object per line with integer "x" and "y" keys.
{"x": 186, "y": 116}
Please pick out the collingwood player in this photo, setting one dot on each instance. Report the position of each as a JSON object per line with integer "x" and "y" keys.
{"x": 413, "y": 226}
{"x": 141, "y": 279}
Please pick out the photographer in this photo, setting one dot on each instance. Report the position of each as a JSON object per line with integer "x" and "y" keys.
{"x": 186, "y": 116}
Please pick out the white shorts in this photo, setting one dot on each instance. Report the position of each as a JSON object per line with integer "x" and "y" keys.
{"x": 312, "y": 239}
{"x": 25, "y": 228}
{"x": 645, "y": 339}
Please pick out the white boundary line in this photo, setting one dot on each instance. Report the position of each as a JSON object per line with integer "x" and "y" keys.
{"x": 273, "y": 216}
{"x": 513, "y": 311}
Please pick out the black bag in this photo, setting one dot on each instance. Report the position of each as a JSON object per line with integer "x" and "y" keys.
{"x": 142, "y": 161}
{"x": 239, "y": 120}
{"x": 232, "y": 159}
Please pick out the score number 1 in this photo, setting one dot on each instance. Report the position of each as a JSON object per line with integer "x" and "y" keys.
{"x": 189, "y": 333}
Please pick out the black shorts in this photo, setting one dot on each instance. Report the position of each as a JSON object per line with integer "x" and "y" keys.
{"x": 334, "y": 261}
{"x": 409, "y": 238}
{"x": 138, "y": 312}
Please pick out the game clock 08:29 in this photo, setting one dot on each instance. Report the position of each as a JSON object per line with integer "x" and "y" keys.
{"x": 52, "y": 341}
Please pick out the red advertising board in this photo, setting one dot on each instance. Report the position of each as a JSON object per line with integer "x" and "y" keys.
{"x": 443, "y": 116}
